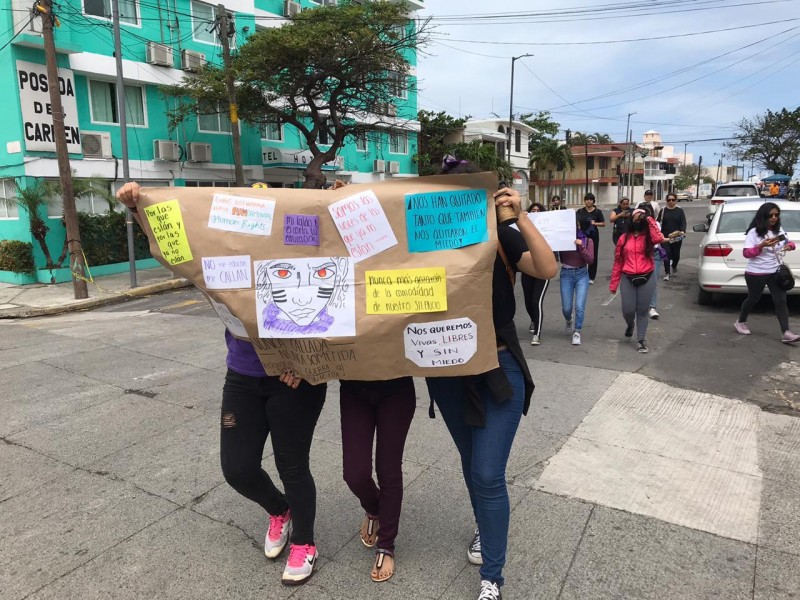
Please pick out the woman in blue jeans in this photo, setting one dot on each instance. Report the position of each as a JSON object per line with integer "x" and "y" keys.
{"x": 574, "y": 281}
{"x": 482, "y": 412}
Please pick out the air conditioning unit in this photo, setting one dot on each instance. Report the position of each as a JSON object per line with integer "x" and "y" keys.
{"x": 291, "y": 8}
{"x": 199, "y": 152}
{"x": 166, "y": 150}
{"x": 329, "y": 2}
{"x": 393, "y": 167}
{"x": 192, "y": 61}
{"x": 391, "y": 110}
{"x": 96, "y": 145}
{"x": 159, "y": 54}
{"x": 379, "y": 166}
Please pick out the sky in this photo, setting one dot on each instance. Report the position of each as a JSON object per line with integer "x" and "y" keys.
{"x": 692, "y": 89}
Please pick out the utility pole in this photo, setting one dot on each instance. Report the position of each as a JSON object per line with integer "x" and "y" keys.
{"x": 123, "y": 134}
{"x": 586, "y": 163}
{"x": 564, "y": 170}
{"x": 628, "y": 140}
{"x": 699, "y": 172}
{"x": 45, "y": 9}
{"x": 226, "y": 29}
{"x": 511, "y": 104}
{"x": 685, "y": 146}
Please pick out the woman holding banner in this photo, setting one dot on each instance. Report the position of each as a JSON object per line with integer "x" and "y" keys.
{"x": 482, "y": 412}
{"x": 256, "y": 406}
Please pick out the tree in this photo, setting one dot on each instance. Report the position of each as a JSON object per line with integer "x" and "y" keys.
{"x": 325, "y": 73}
{"x": 602, "y": 138}
{"x": 771, "y": 140}
{"x": 580, "y": 139}
{"x": 549, "y": 154}
{"x": 687, "y": 177}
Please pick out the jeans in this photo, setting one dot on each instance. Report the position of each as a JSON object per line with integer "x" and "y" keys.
{"x": 657, "y": 274}
{"x": 484, "y": 455}
{"x": 380, "y": 413}
{"x": 252, "y": 409}
{"x": 535, "y": 289}
{"x": 574, "y": 284}
{"x": 755, "y": 287}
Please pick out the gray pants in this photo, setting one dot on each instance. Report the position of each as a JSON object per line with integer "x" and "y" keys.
{"x": 636, "y": 303}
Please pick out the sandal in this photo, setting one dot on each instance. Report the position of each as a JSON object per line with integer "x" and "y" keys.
{"x": 369, "y": 531}
{"x": 384, "y": 566}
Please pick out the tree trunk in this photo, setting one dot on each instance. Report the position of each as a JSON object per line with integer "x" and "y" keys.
{"x": 314, "y": 177}
{"x": 45, "y": 250}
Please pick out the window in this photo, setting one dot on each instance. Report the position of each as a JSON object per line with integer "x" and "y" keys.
{"x": 93, "y": 203}
{"x": 398, "y": 143}
{"x": 8, "y": 191}
{"x": 272, "y": 131}
{"x": 103, "y": 103}
{"x": 102, "y": 8}
{"x": 517, "y": 141}
{"x": 590, "y": 162}
{"x": 361, "y": 142}
{"x": 605, "y": 162}
{"x": 213, "y": 119}
{"x": 203, "y": 16}
{"x": 399, "y": 86}
{"x": 210, "y": 184}
{"x": 323, "y": 138}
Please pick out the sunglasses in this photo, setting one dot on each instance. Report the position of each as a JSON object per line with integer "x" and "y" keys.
{"x": 672, "y": 200}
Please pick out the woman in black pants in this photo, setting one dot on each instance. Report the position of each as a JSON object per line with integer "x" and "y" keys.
{"x": 673, "y": 225}
{"x": 590, "y": 218}
{"x": 534, "y": 290}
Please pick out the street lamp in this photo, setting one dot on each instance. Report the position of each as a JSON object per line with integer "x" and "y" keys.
{"x": 511, "y": 102}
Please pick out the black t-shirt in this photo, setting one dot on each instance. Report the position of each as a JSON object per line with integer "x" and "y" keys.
{"x": 621, "y": 224}
{"x": 503, "y": 303}
{"x": 585, "y": 218}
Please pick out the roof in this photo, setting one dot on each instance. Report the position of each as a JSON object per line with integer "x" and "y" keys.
{"x": 487, "y": 125}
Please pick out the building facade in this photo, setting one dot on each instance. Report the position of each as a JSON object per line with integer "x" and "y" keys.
{"x": 162, "y": 42}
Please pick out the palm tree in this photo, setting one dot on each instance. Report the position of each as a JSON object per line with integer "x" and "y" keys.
{"x": 580, "y": 139}
{"x": 602, "y": 138}
{"x": 550, "y": 152}
{"x": 82, "y": 188}
{"x": 32, "y": 199}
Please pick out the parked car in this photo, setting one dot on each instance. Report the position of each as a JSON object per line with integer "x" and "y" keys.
{"x": 684, "y": 195}
{"x": 722, "y": 263}
{"x": 735, "y": 191}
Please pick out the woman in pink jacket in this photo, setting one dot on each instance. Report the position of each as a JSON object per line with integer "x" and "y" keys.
{"x": 633, "y": 273}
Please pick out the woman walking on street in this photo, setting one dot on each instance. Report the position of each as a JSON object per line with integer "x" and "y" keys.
{"x": 256, "y": 406}
{"x": 590, "y": 218}
{"x": 482, "y": 412}
{"x": 619, "y": 219}
{"x": 764, "y": 244}
{"x": 673, "y": 227}
{"x": 574, "y": 282}
{"x": 633, "y": 273}
{"x": 534, "y": 290}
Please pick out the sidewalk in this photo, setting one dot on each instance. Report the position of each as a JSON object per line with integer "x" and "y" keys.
{"x": 36, "y": 300}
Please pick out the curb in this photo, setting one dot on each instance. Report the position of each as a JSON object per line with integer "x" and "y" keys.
{"x": 24, "y": 312}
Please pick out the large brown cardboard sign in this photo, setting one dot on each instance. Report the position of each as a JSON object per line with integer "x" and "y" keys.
{"x": 367, "y": 282}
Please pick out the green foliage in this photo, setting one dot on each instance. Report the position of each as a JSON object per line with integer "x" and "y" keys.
{"x": 544, "y": 125}
{"x": 687, "y": 177}
{"x": 485, "y": 156}
{"x": 550, "y": 154}
{"x": 16, "y": 256}
{"x": 771, "y": 140}
{"x": 580, "y": 138}
{"x": 104, "y": 239}
{"x": 323, "y": 71}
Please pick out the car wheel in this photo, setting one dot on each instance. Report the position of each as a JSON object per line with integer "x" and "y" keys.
{"x": 704, "y": 297}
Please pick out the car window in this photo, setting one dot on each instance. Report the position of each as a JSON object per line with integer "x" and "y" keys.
{"x": 790, "y": 220}
{"x": 738, "y": 221}
{"x": 736, "y": 191}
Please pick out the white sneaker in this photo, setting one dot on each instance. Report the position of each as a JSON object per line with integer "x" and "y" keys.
{"x": 666, "y": 277}
{"x": 277, "y": 534}
{"x": 300, "y": 565}
{"x": 576, "y": 338}
{"x": 568, "y": 327}
{"x": 535, "y": 340}
{"x": 653, "y": 313}
{"x": 474, "y": 551}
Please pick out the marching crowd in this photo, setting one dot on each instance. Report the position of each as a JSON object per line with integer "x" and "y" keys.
{"x": 481, "y": 413}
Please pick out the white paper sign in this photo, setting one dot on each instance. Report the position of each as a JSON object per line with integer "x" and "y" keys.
{"x": 233, "y": 324}
{"x": 305, "y": 297}
{"x": 241, "y": 215}
{"x": 227, "y": 272}
{"x": 441, "y": 343}
{"x": 557, "y": 227}
{"x": 363, "y": 225}
{"x": 37, "y": 113}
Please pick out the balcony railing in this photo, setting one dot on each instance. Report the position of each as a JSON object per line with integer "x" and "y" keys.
{"x": 577, "y": 174}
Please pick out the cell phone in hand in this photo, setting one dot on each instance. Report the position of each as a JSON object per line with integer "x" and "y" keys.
{"x": 781, "y": 237}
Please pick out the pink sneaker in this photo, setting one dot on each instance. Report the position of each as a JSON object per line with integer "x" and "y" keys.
{"x": 741, "y": 328}
{"x": 789, "y": 337}
{"x": 300, "y": 565}
{"x": 277, "y": 534}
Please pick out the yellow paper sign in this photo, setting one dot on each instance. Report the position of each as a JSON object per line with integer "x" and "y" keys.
{"x": 406, "y": 291}
{"x": 166, "y": 222}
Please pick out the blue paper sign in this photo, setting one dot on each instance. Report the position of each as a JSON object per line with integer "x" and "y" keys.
{"x": 446, "y": 220}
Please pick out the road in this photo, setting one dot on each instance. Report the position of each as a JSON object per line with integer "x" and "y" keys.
{"x": 691, "y": 346}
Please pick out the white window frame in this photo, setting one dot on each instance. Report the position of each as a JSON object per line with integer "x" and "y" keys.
{"x": 8, "y": 189}
{"x": 264, "y": 130}
{"x": 399, "y": 136}
{"x": 220, "y": 115}
{"x": 196, "y": 26}
{"x": 128, "y": 123}
{"x": 362, "y": 138}
{"x": 400, "y": 86}
{"x": 137, "y": 25}
{"x": 55, "y": 210}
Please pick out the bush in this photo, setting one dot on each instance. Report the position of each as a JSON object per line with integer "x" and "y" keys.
{"x": 16, "y": 256}
{"x": 105, "y": 240}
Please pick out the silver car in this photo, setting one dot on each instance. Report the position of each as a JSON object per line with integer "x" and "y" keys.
{"x": 722, "y": 262}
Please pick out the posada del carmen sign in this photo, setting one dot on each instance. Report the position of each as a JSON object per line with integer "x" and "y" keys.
{"x": 37, "y": 112}
{"x": 368, "y": 282}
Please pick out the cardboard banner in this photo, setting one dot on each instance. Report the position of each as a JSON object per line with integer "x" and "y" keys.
{"x": 369, "y": 282}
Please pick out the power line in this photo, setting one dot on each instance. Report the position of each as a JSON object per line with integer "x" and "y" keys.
{"x": 22, "y": 29}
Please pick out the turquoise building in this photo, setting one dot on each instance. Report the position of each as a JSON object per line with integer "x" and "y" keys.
{"x": 163, "y": 41}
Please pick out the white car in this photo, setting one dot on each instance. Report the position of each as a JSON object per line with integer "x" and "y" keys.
{"x": 722, "y": 263}
{"x": 735, "y": 191}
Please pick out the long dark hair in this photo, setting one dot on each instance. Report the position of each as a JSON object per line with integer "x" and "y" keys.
{"x": 538, "y": 205}
{"x": 649, "y": 246}
{"x": 761, "y": 221}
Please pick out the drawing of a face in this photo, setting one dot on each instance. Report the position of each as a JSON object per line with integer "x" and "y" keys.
{"x": 301, "y": 290}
